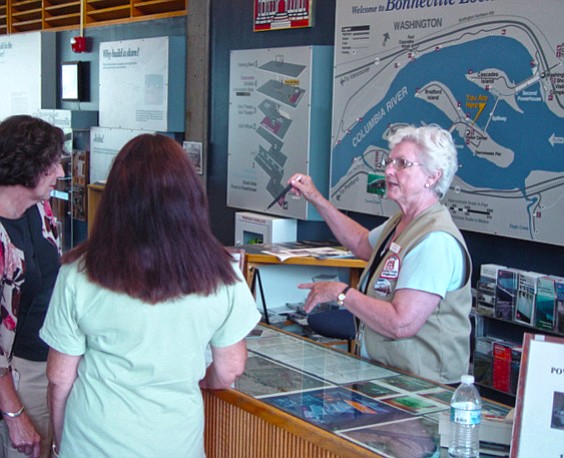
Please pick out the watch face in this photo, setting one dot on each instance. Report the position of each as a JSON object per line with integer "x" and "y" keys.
{"x": 341, "y": 297}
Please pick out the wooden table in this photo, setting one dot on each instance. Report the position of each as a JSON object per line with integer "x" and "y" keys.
{"x": 240, "y": 426}
{"x": 255, "y": 260}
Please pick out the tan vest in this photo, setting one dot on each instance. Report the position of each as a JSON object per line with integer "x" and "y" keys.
{"x": 440, "y": 351}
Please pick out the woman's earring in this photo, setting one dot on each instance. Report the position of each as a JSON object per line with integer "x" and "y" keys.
{"x": 427, "y": 185}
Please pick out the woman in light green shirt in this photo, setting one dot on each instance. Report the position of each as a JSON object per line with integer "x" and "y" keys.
{"x": 134, "y": 309}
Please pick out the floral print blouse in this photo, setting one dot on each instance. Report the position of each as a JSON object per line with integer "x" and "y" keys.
{"x": 12, "y": 269}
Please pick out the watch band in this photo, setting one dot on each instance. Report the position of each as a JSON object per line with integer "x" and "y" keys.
{"x": 12, "y": 414}
{"x": 342, "y": 295}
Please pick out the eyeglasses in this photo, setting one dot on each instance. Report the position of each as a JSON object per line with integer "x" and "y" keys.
{"x": 398, "y": 163}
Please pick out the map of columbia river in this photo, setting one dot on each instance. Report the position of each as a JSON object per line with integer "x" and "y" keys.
{"x": 489, "y": 71}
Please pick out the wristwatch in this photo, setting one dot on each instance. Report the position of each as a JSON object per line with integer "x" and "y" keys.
{"x": 341, "y": 296}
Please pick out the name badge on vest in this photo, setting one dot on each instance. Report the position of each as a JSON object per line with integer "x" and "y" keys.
{"x": 382, "y": 287}
{"x": 391, "y": 268}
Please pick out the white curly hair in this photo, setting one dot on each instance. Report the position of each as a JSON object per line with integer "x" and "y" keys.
{"x": 436, "y": 151}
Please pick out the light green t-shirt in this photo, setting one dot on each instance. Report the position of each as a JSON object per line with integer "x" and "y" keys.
{"x": 137, "y": 393}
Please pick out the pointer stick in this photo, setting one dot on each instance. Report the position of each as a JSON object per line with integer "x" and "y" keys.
{"x": 279, "y": 196}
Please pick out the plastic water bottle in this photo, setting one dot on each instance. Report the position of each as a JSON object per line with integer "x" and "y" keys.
{"x": 465, "y": 416}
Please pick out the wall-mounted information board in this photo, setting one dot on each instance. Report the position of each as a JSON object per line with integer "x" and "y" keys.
{"x": 27, "y": 73}
{"x": 490, "y": 72}
{"x": 279, "y": 124}
{"x": 137, "y": 78}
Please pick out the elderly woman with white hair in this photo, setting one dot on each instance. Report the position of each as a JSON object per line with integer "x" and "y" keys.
{"x": 413, "y": 300}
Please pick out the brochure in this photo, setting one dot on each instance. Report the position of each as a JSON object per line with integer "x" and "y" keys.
{"x": 316, "y": 252}
{"x": 413, "y": 438}
{"x": 336, "y": 408}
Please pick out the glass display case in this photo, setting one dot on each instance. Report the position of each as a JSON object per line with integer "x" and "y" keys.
{"x": 304, "y": 399}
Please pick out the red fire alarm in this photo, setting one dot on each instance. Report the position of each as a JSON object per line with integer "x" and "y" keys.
{"x": 78, "y": 44}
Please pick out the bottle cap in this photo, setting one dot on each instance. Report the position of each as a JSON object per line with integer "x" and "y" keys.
{"x": 468, "y": 379}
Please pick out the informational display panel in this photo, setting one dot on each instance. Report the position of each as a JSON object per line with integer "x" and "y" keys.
{"x": 136, "y": 79}
{"x": 539, "y": 408}
{"x": 27, "y": 73}
{"x": 279, "y": 124}
{"x": 490, "y": 72}
{"x": 105, "y": 143}
{"x": 62, "y": 120}
{"x": 272, "y": 15}
{"x": 69, "y": 120}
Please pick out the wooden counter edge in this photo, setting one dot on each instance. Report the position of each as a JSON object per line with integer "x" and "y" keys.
{"x": 261, "y": 258}
{"x": 338, "y": 445}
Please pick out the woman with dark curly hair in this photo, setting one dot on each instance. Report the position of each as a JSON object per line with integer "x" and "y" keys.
{"x": 30, "y": 152}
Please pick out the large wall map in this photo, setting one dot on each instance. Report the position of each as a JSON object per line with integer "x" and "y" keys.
{"x": 490, "y": 71}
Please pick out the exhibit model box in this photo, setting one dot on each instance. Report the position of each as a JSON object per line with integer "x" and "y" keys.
{"x": 279, "y": 125}
{"x": 254, "y": 228}
{"x": 298, "y": 398}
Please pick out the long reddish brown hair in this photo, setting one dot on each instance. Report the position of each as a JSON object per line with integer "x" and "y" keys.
{"x": 151, "y": 237}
